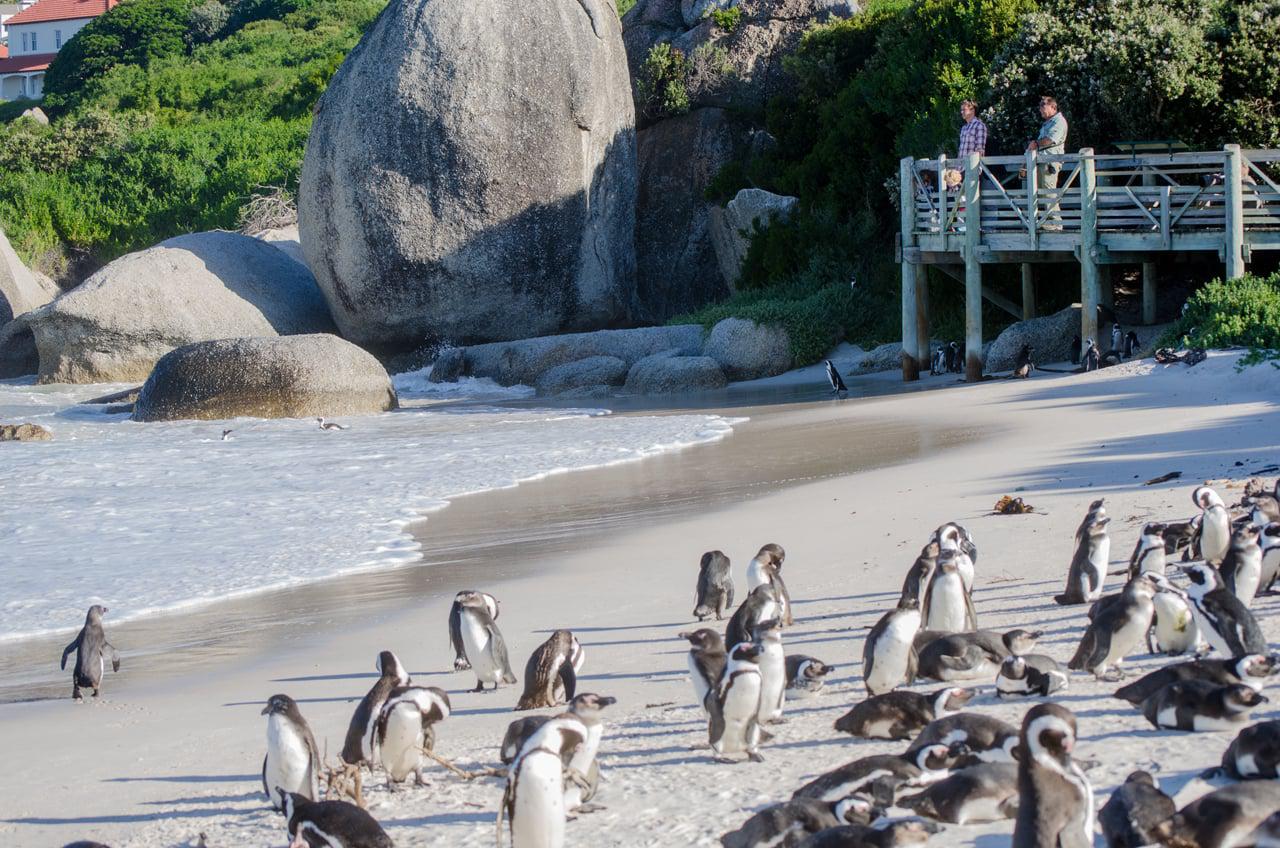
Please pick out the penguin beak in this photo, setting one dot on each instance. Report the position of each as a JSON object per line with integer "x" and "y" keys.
{"x": 606, "y": 701}
{"x": 684, "y": 635}
{"x": 265, "y": 710}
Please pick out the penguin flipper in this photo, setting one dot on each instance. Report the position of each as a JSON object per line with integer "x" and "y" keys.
{"x": 115, "y": 655}
{"x": 455, "y": 637}
{"x": 265, "y": 788}
{"x": 715, "y": 716}
{"x": 75, "y": 644}
{"x": 570, "y": 680}
{"x": 1085, "y": 651}
{"x": 499, "y": 648}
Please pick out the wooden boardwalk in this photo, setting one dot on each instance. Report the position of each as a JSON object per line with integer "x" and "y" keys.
{"x": 1106, "y": 210}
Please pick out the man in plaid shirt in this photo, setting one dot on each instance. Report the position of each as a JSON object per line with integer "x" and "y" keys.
{"x": 973, "y": 135}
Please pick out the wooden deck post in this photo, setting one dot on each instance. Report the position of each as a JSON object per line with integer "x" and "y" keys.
{"x": 923, "y": 353}
{"x": 1028, "y": 292}
{"x": 1089, "y": 284}
{"x": 910, "y": 273}
{"x": 1148, "y": 292}
{"x": 972, "y": 270}
{"x": 1234, "y": 241}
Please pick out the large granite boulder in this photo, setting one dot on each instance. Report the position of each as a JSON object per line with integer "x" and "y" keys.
{"x": 116, "y": 324}
{"x": 18, "y": 354}
{"x": 524, "y": 361}
{"x": 470, "y": 174}
{"x": 21, "y": 290}
{"x": 279, "y": 377}
{"x": 732, "y": 227}
{"x": 583, "y": 376}
{"x": 746, "y": 350}
{"x": 668, "y": 373}
{"x": 1050, "y": 339}
{"x": 676, "y": 264}
{"x": 284, "y": 238}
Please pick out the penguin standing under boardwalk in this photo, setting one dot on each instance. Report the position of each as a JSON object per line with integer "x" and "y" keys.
{"x": 707, "y": 658}
{"x": 733, "y": 706}
{"x": 292, "y": 762}
{"x": 889, "y": 654}
{"x": 1055, "y": 799}
{"x": 1134, "y": 808}
{"x": 331, "y": 824}
{"x": 715, "y": 587}
{"x": 406, "y": 728}
{"x": 534, "y": 799}
{"x": 483, "y": 643}
{"x": 549, "y": 673}
{"x": 1224, "y": 622}
{"x": 92, "y": 652}
{"x": 460, "y": 662}
{"x": 358, "y": 746}
{"x": 1089, "y": 563}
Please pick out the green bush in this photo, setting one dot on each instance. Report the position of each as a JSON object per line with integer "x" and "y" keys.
{"x": 726, "y": 19}
{"x": 663, "y": 85}
{"x": 1244, "y": 312}
{"x": 625, "y": 6}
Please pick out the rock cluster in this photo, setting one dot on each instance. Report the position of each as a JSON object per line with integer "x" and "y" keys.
{"x": 24, "y": 433}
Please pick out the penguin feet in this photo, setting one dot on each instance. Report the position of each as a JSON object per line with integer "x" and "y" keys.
{"x": 754, "y": 756}
{"x": 1109, "y": 675}
{"x": 723, "y": 760}
{"x": 461, "y": 664}
{"x": 589, "y": 807}
{"x": 778, "y": 720}
{"x": 480, "y": 687}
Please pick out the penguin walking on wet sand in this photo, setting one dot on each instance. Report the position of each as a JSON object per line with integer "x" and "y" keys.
{"x": 405, "y": 729}
{"x": 1214, "y": 526}
{"x": 715, "y": 587}
{"x": 733, "y": 706}
{"x": 833, "y": 377}
{"x": 901, "y": 714}
{"x": 1117, "y": 629}
{"x": 766, "y": 567}
{"x": 947, "y": 605}
{"x": 1241, "y": 568}
{"x": 1134, "y": 808}
{"x": 460, "y": 661}
{"x": 482, "y": 641}
{"x": 1224, "y": 622}
{"x": 707, "y": 659}
{"x": 1148, "y": 553}
{"x": 92, "y": 652}
{"x": 534, "y": 798}
{"x": 1088, "y": 568}
{"x": 889, "y": 654}
{"x": 760, "y": 605}
{"x": 1200, "y": 705}
{"x": 549, "y": 676}
{"x": 773, "y": 671}
{"x": 292, "y": 762}
{"x": 330, "y": 824}
{"x": 358, "y": 746}
{"x": 1055, "y": 798}
{"x": 786, "y": 823}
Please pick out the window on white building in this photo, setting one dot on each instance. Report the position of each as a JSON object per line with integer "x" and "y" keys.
{"x": 57, "y": 39}
{"x": 24, "y": 42}
{"x": 34, "y": 48}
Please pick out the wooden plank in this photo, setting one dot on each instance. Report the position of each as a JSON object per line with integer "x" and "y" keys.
{"x": 1028, "y": 292}
{"x": 973, "y": 269}
{"x": 1233, "y": 241}
{"x": 1089, "y": 280}
{"x": 910, "y": 272}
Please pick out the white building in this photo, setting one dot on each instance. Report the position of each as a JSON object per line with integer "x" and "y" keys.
{"x": 35, "y": 35}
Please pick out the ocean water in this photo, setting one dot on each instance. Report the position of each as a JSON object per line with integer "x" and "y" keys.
{"x": 153, "y": 517}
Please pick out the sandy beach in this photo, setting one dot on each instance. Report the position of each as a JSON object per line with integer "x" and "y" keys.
{"x": 172, "y": 754}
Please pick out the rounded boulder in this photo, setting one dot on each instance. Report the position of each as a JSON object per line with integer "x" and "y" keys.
{"x": 747, "y": 350}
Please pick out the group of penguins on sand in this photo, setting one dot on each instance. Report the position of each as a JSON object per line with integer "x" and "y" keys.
{"x": 961, "y": 767}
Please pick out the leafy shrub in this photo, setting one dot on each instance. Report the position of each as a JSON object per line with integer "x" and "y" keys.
{"x": 1242, "y": 312}
{"x": 625, "y": 6}
{"x": 664, "y": 82}
{"x": 206, "y": 22}
{"x": 726, "y": 19}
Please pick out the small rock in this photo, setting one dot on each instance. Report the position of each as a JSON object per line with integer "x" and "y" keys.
{"x": 666, "y": 373}
{"x": 24, "y": 433}
{"x": 584, "y": 374}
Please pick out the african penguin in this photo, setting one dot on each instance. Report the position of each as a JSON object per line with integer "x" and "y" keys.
{"x": 834, "y": 378}
{"x": 1174, "y": 630}
{"x": 761, "y": 604}
{"x": 92, "y": 652}
{"x": 357, "y": 748}
{"x": 1134, "y": 808}
{"x": 881, "y": 775}
{"x": 1241, "y": 568}
{"x": 1091, "y": 358}
{"x": 1255, "y": 753}
{"x": 901, "y": 714}
{"x": 1224, "y": 622}
{"x": 330, "y": 426}
{"x": 1215, "y": 525}
{"x": 980, "y": 793}
{"x": 482, "y": 642}
{"x": 885, "y": 834}
{"x": 805, "y": 676}
{"x": 1022, "y": 364}
{"x": 1130, "y": 345}
{"x": 405, "y": 728}
{"x": 1148, "y": 553}
{"x": 1223, "y": 818}
{"x": 330, "y": 824}
{"x": 292, "y": 762}
{"x": 707, "y": 658}
{"x": 1269, "y": 540}
{"x": 1264, "y": 505}
{"x": 715, "y": 587}
{"x": 986, "y": 738}
{"x": 970, "y": 656}
{"x": 460, "y": 662}
{"x": 1030, "y": 674}
{"x": 1251, "y": 669}
{"x": 734, "y": 705}
{"x": 534, "y": 798}
{"x": 773, "y": 670}
{"x": 549, "y": 675}
{"x": 583, "y": 775}
{"x": 920, "y": 573}
{"x": 889, "y": 656}
{"x": 1118, "y": 628}
{"x": 787, "y": 823}
{"x": 1089, "y": 563}
{"x": 766, "y": 567}
{"x": 1200, "y": 705}
{"x": 585, "y": 707}
{"x": 1055, "y": 799}
{"x": 956, "y": 537}
{"x": 947, "y": 604}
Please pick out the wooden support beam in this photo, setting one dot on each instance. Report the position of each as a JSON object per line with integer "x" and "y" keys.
{"x": 958, "y": 273}
{"x": 911, "y": 273}
{"x": 922, "y": 318}
{"x": 1148, "y": 292}
{"x": 1233, "y": 242}
{"x": 1089, "y": 283}
{"x": 972, "y": 269}
{"x": 1028, "y": 292}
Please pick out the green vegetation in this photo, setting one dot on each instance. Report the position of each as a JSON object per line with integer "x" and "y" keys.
{"x": 726, "y": 19}
{"x": 1244, "y": 312}
{"x": 624, "y": 6}
{"x": 664, "y": 82}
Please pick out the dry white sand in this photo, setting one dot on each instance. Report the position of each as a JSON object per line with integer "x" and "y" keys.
{"x": 160, "y": 763}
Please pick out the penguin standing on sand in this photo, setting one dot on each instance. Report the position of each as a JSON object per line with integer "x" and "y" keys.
{"x": 1214, "y": 533}
{"x": 483, "y": 644}
{"x": 733, "y": 706}
{"x": 534, "y": 799}
{"x": 1118, "y": 628}
{"x": 916, "y": 583}
{"x": 1091, "y": 358}
{"x": 292, "y": 763}
{"x": 358, "y": 747}
{"x": 1055, "y": 799}
{"x": 773, "y": 671}
{"x": 1089, "y": 564}
{"x": 1200, "y": 705}
{"x": 833, "y": 377}
{"x": 948, "y": 606}
{"x": 92, "y": 652}
{"x": 460, "y": 662}
{"x": 1174, "y": 630}
{"x": 1224, "y": 622}
{"x": 766, "y": 567}
{"x": 549, "y": 674}
{"x": 1269, "y": 540}
{"x": 1148, "y": 553}
{"x": 1133, "y": 809}
{"x": 952, "y": 535}
{"x": 1241, "y": 568}
{"x": 805, "y": 676}
{"x": 583, "y": 777}
{"x": 761, "y": 605}
{"x": 329, "y": 824}
{"x": 1022, "y": 365}
{"x": 707, "y": 659}
{"x": 889, "y": 654}
{"x": 405, "y": 728}
{"x": 715, "y": 587}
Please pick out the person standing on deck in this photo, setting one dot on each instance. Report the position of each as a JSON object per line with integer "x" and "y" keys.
{"x": 973, "y": 135}
{"x": 1052, "y": 140}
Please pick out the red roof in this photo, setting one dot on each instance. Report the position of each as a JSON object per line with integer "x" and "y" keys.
{"x": 26, "y": 64}
{"x": 4, "y": 52}
{"x": 61, "y": 10}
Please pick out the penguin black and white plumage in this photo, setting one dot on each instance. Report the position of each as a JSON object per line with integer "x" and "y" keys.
{"x": 1269, "y": 540}
{"x": 761, "y": 604}
{"x": 331, "y": 824}
{"x": 330, "y": 426}
{"x": 1029, "y": 674}
{"x": 1214, "y": 535}
{"x": 1130, "y": 345}
{"x": 1199, "y": 705}
{"x": 1117, "y": 339}
{"x": 918, "y": 576}
{"x": 1090, "y": 356}
{"x": 534, "y": 799}
{"x": 955, "y": 357}
{"x": 460, "y": 662}
{"x": 549, "y": 675}
{"x": 773, "y": 670}
{"x": 957, "y": 537}
{"x": 1224, "y": 818}
{"x": 984, "y": 792}
{"x": 92, "y": 653}
{"x": 1173, "y": 629}
{"x": 766, "y": 567}
{"x": 1055, "y": 799}
{"x": 834, "y": 378}
{"x": 583, "y": 776}
{"x": 938, "y": 361}
{"x": 733, "y": 707}
{"x": 1148, "y": 553}
{"x": 358, "y": 747}
{"x": 1255, "y": 753}
{"x": 707, "y": 658}
{"x": 1134, "y": 808}
{"x": 405, "y": 728}
{"x": 715, "y": 587}
{"x": 881, "y": 775}
{"x": 1088, "y": 568}
{"x": 1118, "y": 629}
{"x": 889, "y": 655}
{"x": 1075, "y": 350}
{"x": 970, "y": 656}
{"x": 585, "y": 707}
{"x": 901, "y": 714}
{"x": 784, "y": 825}
{"x": 1241, "y": 568}
{"x": 806, "y": 676}
{"x": 292, "y": 762}
{"x": 1224, "y": 622}
{"x": 1022, "y": 364}
{"x": 482, "y": 642}
{"x": 1252, "y": 670}
{"x": 985, "y": 737}
{"x": 883, "y": 834}
{"x": 947, "y": 604}
{"x": 1264, "y": 506}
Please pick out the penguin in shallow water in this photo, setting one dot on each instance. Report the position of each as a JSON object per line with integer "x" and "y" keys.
{"x": 1119, "y": 628}
{"x": 460, "y": 662}
{"x": 785, "y": 824}
{"x": 773, "y": 671}
{"x": 707, "y": 658}
{"x": 1089, "y": 563}
{"x": 733, "y": 707}
{"x": 292, "y": 762}
{"x": 833, "y": 377}
{"x": 534, "y": 798}
{"x": 1255, "y": 753}
{"x": 482, "y": 641}
{"x": 1221, "y": 819}
{"x": 889, "y": 655}
{"x": 92, "y": 653}
{"x": 331, "y": 824}
{"x": 760, "y": 605}
{"x": 715, "y": 587}
{"x": 881, "y": 775}
{"x": 358, "y": 747}
{"x": 806, "y": 676}
{"x": 766, "y": 567}
{"x": 1241, "y": 568}
{"x": 331, "y": 426}
{"x": 1148, "y": 553}
{"x": 984, "y": 792}
{"x": 947, "y": 604}
{"x": 1134, "y": 808}
{"x": 1214, "y": 535}
{"x": 549, "y": 676}
{"x": 1224, "y": 622}
{"x": 985, "y": 737}
{"x": 901, "y": 714}
{"x": 405, "y": 728}
{"x": 1252, "y": 670}
{"x": 1199, "y": 705}
{"x": 1055, "y": 799}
